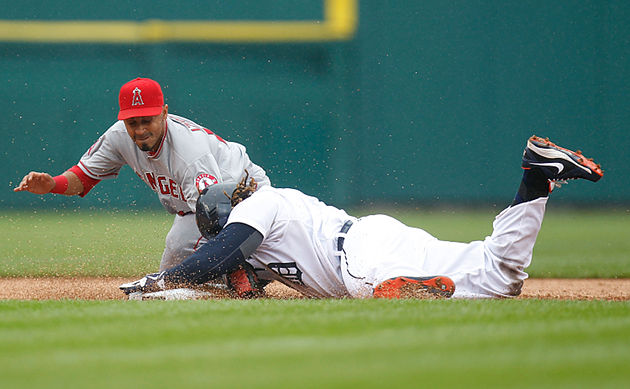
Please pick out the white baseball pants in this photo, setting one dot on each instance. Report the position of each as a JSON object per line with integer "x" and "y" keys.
{"x": 379, "y": 247}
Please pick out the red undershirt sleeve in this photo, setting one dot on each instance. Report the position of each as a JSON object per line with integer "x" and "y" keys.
{"x": 88, "y": 182}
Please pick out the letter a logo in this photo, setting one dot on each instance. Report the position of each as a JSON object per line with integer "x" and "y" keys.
{"x": 137, "y": 98}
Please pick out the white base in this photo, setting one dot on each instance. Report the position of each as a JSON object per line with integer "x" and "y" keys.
{"x": 177, "y": 294}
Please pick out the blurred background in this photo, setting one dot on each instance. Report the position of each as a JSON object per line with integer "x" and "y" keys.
{"x": 360, "y": 103}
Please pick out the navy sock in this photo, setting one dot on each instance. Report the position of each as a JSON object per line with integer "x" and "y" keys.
{"x": 533, "y": 185}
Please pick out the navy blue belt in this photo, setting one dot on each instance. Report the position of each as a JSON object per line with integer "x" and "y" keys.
{"x": 344, "y": 229}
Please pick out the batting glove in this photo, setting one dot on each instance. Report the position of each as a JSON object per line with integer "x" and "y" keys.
{"x": 149, "y": 283}
{"x": 244, "y": 282}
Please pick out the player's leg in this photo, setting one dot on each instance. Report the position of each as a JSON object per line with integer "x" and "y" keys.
{"x": 474, "y": 273}
{"x": 515, "y": 230}
{"x": 495, "y": 267}
{"x": 181, "y": 241}
{"x": 379, "y": 248}
{"x": 508, "y": 251}
{"x": 511, "y": 245}
{"x": 385, "y": 258}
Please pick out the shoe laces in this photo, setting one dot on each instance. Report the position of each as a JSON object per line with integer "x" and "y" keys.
{"x": 553, "y": 184}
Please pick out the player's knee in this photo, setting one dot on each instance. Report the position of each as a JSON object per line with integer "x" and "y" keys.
{"x": 513, "y": 277}
{"x": 171, "y": 258}
{"x": 174, "y": 253}
{"x": 514, "y": 288}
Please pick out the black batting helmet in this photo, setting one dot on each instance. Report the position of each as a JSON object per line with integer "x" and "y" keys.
{"x": 213, "y": 208}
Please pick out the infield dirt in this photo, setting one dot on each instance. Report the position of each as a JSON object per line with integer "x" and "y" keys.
{"x": 106, "y": 288}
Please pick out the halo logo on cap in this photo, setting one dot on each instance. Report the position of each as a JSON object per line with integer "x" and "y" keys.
{"x": 140, "y": 97}
{"x": 137, "y": 98}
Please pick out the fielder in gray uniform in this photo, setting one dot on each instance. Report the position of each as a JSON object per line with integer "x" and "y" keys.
{"x": 324, "y": 252}
{"x": 174, "y": 156}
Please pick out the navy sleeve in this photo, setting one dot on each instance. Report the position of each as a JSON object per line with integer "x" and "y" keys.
{"x": 220, "y": 255}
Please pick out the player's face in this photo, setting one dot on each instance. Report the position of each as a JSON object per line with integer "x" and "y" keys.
{"x": 147, "y": 131}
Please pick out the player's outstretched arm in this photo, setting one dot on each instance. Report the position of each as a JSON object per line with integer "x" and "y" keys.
{"x": 218, "y": 256}
{"x": 42, "y": 183}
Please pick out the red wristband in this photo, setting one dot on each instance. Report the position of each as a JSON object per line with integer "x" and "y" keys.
{"x": 61, "y": 184}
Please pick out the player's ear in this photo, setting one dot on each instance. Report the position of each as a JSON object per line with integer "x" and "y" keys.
{"x": 165, "y": 110}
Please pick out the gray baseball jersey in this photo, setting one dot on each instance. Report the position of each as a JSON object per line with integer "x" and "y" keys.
{"x": 190, "y": 157}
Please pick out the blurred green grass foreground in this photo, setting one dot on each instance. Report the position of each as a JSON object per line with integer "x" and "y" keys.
{"x": 592, "y": 243}
{"x": 315, "y": 344}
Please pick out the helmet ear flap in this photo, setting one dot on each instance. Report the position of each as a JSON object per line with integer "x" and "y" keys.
{"x": 213, "y": 208}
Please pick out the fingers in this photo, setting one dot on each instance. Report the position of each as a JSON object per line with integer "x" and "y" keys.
{"x": 24, "y": 183}
{"x": 35, "y": 182}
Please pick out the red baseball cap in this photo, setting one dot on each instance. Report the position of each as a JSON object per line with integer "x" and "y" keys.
{"x": 140, "y": 97}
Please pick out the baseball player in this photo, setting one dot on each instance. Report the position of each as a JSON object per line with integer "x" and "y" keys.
{"x": 174, "y": 156}
{"x": 324, "y": 252}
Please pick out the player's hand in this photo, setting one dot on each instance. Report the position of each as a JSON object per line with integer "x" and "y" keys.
{"x": 149, "y": 283}
{"x": 244, "y": 282}
{"x": 35, "y": 182}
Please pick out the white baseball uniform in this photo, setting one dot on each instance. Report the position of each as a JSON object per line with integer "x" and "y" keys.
{"x": 189, "y": 158}
{"x": 300, "y": 238}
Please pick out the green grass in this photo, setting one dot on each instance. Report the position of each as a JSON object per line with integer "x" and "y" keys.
{"x": 570, "y": 244}
{"x": 82, "y": 243}
{"x": 314, "y": 344}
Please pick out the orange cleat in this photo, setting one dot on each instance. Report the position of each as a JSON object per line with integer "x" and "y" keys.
{"x": 415, "y": 288}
